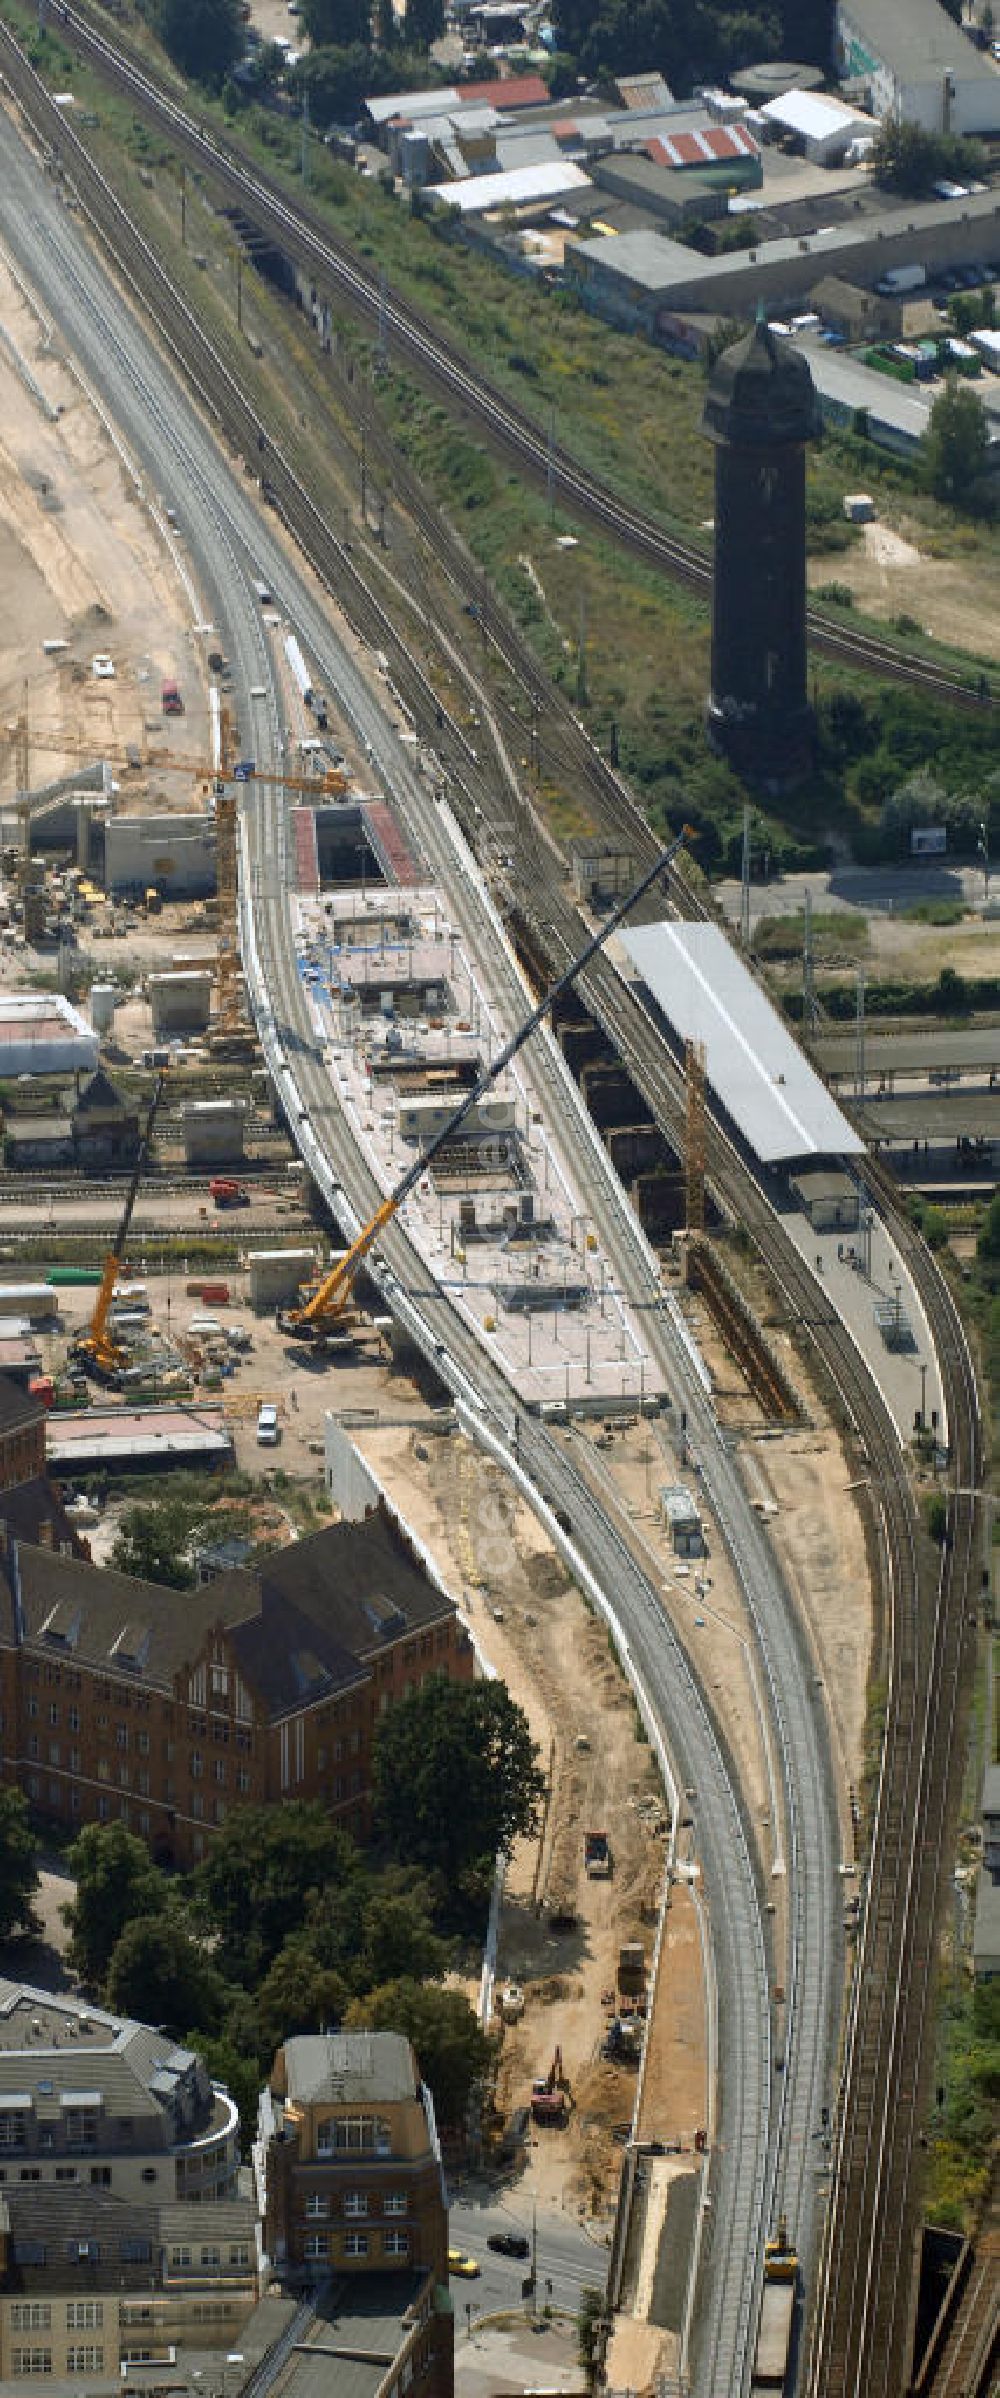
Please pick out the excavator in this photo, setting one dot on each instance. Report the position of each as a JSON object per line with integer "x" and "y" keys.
{"x": 327, "y": 1313}
{"x": 97, "y": 1351}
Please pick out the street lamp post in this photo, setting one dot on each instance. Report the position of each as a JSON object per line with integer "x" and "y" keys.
{"x": 984, "y": 852}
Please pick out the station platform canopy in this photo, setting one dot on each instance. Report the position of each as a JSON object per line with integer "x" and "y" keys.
{"x": 754, "y": 1067}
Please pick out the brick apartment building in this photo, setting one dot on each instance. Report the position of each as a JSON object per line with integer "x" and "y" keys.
{"x": 22, "y": 1436}
{"x": 122, "y": 1701}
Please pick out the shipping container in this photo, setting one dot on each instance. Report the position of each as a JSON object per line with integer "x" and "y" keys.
{"x": 72, "y": 1278}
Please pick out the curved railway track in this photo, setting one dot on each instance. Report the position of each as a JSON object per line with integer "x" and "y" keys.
{"x": 858, "y": 2343}
{"x": 306, "y": 238}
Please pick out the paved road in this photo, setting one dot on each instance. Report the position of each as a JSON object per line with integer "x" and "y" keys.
{"x": 568, "y": 2258}
{"x": 859, "y": 890}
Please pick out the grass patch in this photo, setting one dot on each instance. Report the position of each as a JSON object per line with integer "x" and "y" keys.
{"x": 936, "y": 911}
{"x": 835, "y": 934}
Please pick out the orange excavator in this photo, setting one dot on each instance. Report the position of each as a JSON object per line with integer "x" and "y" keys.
{"x": 327, "y": 1312}
{"x": 97, "y": 1350}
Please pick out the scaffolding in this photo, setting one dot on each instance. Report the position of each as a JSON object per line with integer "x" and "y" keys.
{"x": 694, "y": 1146}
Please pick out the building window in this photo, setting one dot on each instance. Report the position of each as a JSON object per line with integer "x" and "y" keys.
{"x": 180, "y": 2257}
{"x": 142, "y": 1742}
{"x": 31, "y": 2314}
{"x": 74, "y": 1761}
{"x": 211, "y": 2256}
{"x": 395, "y": 2202}
{"x": 396, "y": 2243}
{"x": 103, "y": 1770}
{"x": 317, "y": 2245}
{"x": 66, "y": 2173}
{"x": 32, "y": 1708}
{"x": 73, "y": 1719}
{"x": 149, "y": 2173}
{"x": 242, "y": 1778}
{"x": 198, "y": 1806}
{"x": 32, "y": 2360}
{"x": 240, "y": 2255}
{"x": 12, "y": 2131}
{"x": 84, "y": 2360}
{"x": 53, "y": 1714}
{"x": 355, "y": 2202}
{"x": 81, "y": 2127}
{"x": 33, "y": 1745}
{"x": 103, "y": 1808}
{"x": 84, "y": 2314}
{"x": 317, "y": 2206}
{"x": 100, "y": 2177}
{"x": 220, "y": 1681}
{"x": 142, "y": 1820}
{"x": 196, "y": 1765}
{"x": 355, "y": 2243}
{"x": 219, "y": 1769}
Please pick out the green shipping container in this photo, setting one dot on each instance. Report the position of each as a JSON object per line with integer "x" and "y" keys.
{"x": 74, "y": 1277}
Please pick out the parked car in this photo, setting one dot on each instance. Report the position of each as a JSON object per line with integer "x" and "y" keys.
{"x": 509, "y": 2243}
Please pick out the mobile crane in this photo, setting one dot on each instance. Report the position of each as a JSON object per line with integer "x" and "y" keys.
{"x": 327, "y": 1312}
{"x": 97, "y": 1350}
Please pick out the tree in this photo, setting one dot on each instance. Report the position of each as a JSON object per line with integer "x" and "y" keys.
{"x": 451, "y": 2047}
{"x": 116, "y": 1881}
{"x": 204, "y": 37}
{"x": 158, "y": 1972}
{"x": 955, "y": 444}
{"x": 238, "y": 2068}
{"x": 988, "y": 1244}
{"x": 152, "y": 1542}
{"x": 298, "y": 1994}
{"x": 398, "y": 1938}
{"x": 456, "y": 1775}
{"x": 337, "y": 24}
{"x": 423, "y": 23}
{"x": 906, "y": 159}
{"x": 18, "y": 1870}
{"x": 588, "y": 2333}
{"x": 254, "y": 1888}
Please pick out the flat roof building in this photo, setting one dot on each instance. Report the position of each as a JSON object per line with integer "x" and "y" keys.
{"x": 918, "y": 65}
{"x": 756, "y": 1070}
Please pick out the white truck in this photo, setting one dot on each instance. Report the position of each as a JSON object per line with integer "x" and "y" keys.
{"x": 899, "y": 279}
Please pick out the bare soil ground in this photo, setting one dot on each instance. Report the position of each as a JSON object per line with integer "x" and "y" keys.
{"x": 82, "y": 563}
{"x": 955, "y": 599}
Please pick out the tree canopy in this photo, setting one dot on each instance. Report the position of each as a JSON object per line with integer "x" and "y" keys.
{"x": 336, "y": 24}
{"x": 204, "y": 37}
{"x": 153, "y": 1540}
{"x": 452, "y": 2049}
{"x": 909, "y": 160}
{"x": 158, "y": 1972}
{"x": 456, "y": 1775}
{"x": 259, "y": 1874}
{"x": 955, "y": 444}
{"x": 18, "y": 1870}
{"x": 116, "y": 1881}
{"x": 688, "y": 40}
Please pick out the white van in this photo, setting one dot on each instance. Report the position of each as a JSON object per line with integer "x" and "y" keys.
{"x": 267, "y": 1427}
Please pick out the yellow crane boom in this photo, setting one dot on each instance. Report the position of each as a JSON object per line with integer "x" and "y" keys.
{"x": 98, "y": 1349}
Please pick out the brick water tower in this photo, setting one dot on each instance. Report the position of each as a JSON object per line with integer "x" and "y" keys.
{"x": 760, "y": 412}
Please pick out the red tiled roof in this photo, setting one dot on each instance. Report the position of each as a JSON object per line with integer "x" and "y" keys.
{"x": 510, "y": 91}
{"x": 712, "y": 147}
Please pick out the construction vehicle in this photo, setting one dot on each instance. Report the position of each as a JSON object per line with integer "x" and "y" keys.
{"x": 777, "y": 2313}
{"x": 98, "y": 1351}
{"x": 226, "y": 1192}
{"x": 549, "y": 2093}
{"x": 327, "y": 1312}
{"x": 597, "y": 1858}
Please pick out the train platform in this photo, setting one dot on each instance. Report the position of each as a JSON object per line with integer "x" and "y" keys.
{"x": 501, "y": 1218}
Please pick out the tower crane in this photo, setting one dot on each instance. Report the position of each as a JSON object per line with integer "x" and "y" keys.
{"x": 327, "y": 1311}
{"x": 98, "y": 1350}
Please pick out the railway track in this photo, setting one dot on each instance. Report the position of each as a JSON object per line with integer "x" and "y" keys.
{"x": 306, "y": 238}
{"x": 858, "y": 2343}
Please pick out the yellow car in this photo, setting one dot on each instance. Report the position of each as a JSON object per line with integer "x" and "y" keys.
{"x": 465, "y": 2266}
